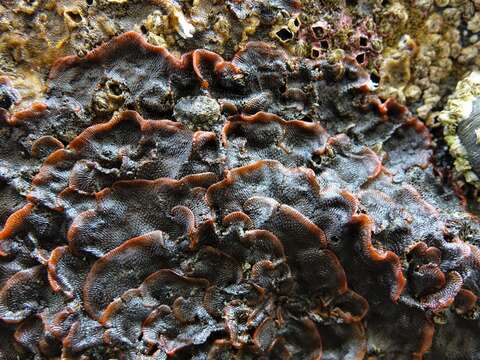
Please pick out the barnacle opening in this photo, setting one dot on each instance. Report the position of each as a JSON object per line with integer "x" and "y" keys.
{"x": 294, "y": 24}
{"x": 315, "y": 52}
{"x": 284, "y": 34}
{"x": 363, "y": 41}
{"x": 360, "y": 58}
{"x": 75, "y": 16}
{"x": 319, "y": 30}
{"x": 375, "y": 78}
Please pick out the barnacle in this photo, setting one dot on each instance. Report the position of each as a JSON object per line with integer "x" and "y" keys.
{"x": 266, "y": 206}
{"x": 424, "y": 45}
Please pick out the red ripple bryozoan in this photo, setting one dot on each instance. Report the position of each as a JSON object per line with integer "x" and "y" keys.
{"x": 269, "y": 208}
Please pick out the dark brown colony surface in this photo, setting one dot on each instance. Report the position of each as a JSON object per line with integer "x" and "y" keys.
{"x": 269, "y": 208}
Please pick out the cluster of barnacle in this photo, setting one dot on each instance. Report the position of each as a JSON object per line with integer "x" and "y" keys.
{"x": 33, "y": 34}
{"x": 36, "y": 33}
{"x": 430, "y": 46}
{"x": 427, "y": 47}
{"x": 335, "y": 30}
{"x": 233, "y": 224}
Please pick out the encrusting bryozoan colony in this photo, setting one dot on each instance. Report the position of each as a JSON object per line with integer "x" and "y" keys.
{"x": 266, "y": 207}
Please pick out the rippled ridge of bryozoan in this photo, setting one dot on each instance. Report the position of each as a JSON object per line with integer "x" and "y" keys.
{"x": 270, "y": 208}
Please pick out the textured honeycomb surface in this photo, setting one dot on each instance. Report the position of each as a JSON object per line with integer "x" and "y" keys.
{"x": 270, "y": 207}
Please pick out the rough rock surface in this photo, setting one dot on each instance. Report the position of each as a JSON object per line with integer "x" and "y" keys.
{"x": 416, "y": 51}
